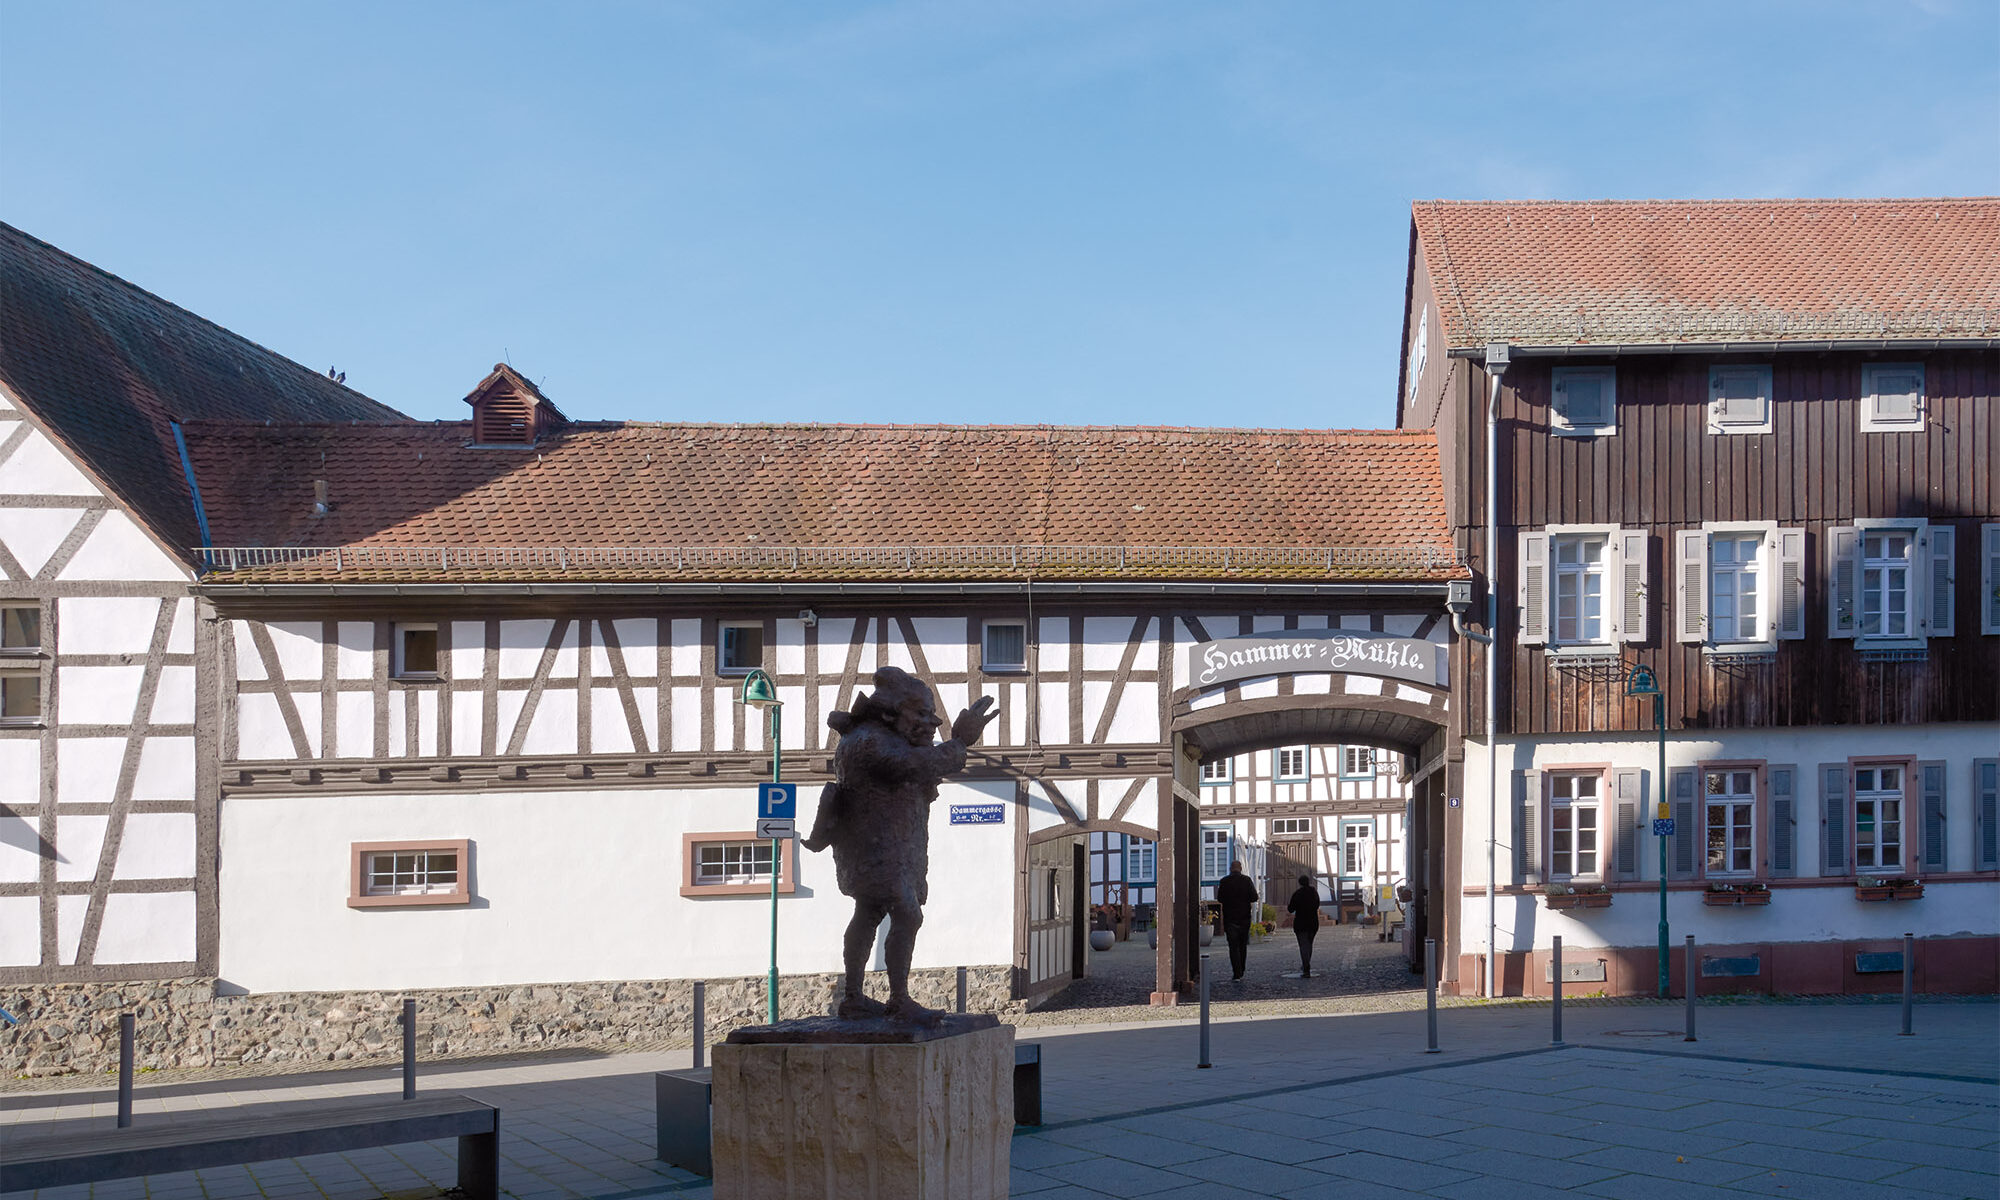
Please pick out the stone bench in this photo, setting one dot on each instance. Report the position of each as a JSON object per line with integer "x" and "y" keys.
{"x": 63, "y": 1153}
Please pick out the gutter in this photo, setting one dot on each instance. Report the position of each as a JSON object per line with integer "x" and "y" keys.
{"x": 224, "y": 591}
{"x": 1620, "y": 349}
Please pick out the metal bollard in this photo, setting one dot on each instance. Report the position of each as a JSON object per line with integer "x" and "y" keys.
{"x": 1909, "y": 979}
{"x": 1691, "y": 988}
{"x": 1431, "y": 991}
{"x": 961, "y": 989}
{"x": 1204, "y": 1063}
{"x": 1556, "y": 979}
{"x": 124, "y": 1070}
{"x": 700, "y": 1023}
{"x": 409, "y": 1049}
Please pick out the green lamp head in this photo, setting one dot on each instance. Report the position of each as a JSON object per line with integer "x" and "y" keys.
{"x": 1641, "y": 682}
{"x": 759, "y": 691}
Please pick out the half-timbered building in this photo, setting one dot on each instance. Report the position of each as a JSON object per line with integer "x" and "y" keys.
{"x": 1753, "y": 448}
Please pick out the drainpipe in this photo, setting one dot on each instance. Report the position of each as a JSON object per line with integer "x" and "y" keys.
{"x": 1496, "y": 366}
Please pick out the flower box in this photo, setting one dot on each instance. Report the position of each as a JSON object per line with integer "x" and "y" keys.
{"x": 1557, "y": 901}
{"x": 1735, "y": 899}
{"x": 1888, "y": 889}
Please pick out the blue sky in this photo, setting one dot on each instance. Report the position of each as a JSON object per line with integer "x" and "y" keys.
{"x": 1103, "y": 212}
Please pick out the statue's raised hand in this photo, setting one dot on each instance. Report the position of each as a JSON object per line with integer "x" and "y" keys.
{"x": 972, "y": 721}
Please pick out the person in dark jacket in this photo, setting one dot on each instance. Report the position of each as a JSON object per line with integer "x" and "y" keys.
{"x": 1238, "y": 896}
{"x": 1305, "y": 922}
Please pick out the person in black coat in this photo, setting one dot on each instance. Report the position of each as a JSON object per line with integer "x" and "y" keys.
{"x": 1238, "y": 896}
{"x": 1305, "y": 922}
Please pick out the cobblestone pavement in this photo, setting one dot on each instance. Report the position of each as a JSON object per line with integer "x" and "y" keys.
{"x": 1798, "y": 1099}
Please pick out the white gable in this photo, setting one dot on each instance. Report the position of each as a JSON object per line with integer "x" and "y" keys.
{"x": 118, "y": 549}
{"x": 37, "y": 468}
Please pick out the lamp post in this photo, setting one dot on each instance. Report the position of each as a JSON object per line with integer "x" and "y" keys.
{"x": 760, "y": 692}
{"x": 1641, "y": 683}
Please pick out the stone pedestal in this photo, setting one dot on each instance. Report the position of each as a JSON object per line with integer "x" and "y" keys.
{"x": 830, "y": 1110}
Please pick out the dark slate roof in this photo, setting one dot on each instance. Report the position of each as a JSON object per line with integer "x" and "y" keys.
{"x": 107, "y": 366}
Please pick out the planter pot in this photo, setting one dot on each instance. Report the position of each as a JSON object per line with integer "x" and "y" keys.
{"x": 1207, "y": 934}
{"x": 1102, "y": 939}
{"x": 1910, "y": 892}
{"x": 1153, "y": 938}
{"x": 1584, "y": 900}
{"x": 1735, "y": 899}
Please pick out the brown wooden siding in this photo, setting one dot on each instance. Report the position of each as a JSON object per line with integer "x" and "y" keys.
{"x": 1664, "y": 471}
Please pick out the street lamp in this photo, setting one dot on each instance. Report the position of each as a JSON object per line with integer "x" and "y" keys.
{"x": 1641, "y": 683}
{"x": 760, "y": 692}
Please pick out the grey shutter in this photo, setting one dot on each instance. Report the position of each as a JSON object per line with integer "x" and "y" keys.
{"x": 1528, "y": 826}
{"x": 1632, "y": 584}
{"x": 1833, "y": 803}
{"x": 1533, "y": 591}
{"x": 1843, "y": 592}
{"x": 1686, "y": 834}
{"x": 1790, "y": 614}
{"x": 1784, "y": 821}
{"x": 1944, "y": 541}
{"x": 1986, "y": 813}
{"x": 1691, "y": 585}
{"x": 1627, "y": 842}
{"x": 1931, "y": 797}
{"x": 1989, "y": 579}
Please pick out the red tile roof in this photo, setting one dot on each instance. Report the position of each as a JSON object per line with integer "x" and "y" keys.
{"x": 107, "y": 366}
{"x": 659, "y": 501}
{"x": 1646, "y": 272}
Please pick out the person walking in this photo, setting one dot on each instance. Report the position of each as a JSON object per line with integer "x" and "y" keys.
{"x": 1238, "y": 896}
{"x": 1304, "y": 908}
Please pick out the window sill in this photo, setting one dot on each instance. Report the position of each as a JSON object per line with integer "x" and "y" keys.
{"x": 22, "y": 723}
{"x": 431, "y": 900}
{"x": 1585, "y": 431}
{"x": 433, "y": 677}
{"x": 1742, "y": 651}
{"x": 1737, "y": 430}
{"x": 993, "y": 669}
{"x": 1893, "y": 650}
{"x": 1585, "y": 650}
{"x": 785, "y": 888}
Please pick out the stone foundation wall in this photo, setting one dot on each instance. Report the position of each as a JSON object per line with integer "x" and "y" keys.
{"x": 70, "y": 1028}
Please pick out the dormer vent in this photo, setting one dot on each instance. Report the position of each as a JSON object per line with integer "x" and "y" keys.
{"x": 507, "y": 410}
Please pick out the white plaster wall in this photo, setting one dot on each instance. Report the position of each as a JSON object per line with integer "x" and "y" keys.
{"x": 38, "y": 468}
{"x": 20, "y": 931}
{"x": 1794, "y": 914}
{"x": 568, "y": 886}
{"x": 118, "y": 550}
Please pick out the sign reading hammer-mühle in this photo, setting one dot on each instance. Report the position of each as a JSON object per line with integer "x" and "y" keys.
{"x": 1289, "y": 652}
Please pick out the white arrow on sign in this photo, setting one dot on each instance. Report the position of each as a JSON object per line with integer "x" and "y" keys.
{"x": 775, "y": 827}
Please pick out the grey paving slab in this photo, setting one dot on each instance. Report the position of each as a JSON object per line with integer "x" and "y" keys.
{"x": 1664, "y": 1164}
{"x": 1116, "y": 1177}
{"x": 1398, "y": 1172}
{"x": 1506, "y": 1164}
{"x": 1943, "y": 1181}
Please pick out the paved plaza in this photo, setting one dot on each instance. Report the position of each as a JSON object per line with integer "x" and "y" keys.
{"x": 1801, "y": 1099}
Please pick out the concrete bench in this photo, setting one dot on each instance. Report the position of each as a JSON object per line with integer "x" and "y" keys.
{"x": 1027, "y": 1083}
{"x": 55, "y": 1155}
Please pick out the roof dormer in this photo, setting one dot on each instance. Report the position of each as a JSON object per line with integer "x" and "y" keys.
{"x": 507, "y": 410}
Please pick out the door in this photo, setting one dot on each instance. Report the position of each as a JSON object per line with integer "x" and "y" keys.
{"x": 1054, "y": 914}
{"x": 1291, "y": 857}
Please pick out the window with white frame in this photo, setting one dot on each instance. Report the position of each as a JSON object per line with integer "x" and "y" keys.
{"x": 1989, "y": 579}
{"x": 409, "y": 874}
{"x": 1006, "y": 646}
{"x": 1892, "y": 582}
{"x": 1357, "y": 762}
{"x": 20, "y": 696}
{"x": 1739, "y": 398}
{"x": 20, "y": 668}
{"x": 1892, "y": 397}
{"x": 1579, "y": 589}
{"x": 1291, "y": 764}
{"x": 1290, "y": 826}
{"x": 20, "y": 629}
{"x": 1583, "y": 586}
{"x": 718, "y": 863}
{"x": 1735, "y": 583}
{"x": 416, "y": 650}
{"x": 742, "y": 649}
{"x": 1214, "y": 852}
{"x": 1216, "y": 770}
{"x": 1886, "y": 558}
{"x": 1576, "y": 809}
{"x": 1729, "y": 799}
{"x": 1355, "y": 838}
{"x": 1140, "y": 860}
{"x": 1740, "y": 586}
{"x": 1583, "y": 400}
{"x": 1878, "y": 818}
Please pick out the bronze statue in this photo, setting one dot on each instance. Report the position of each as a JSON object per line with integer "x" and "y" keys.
{"x": 876, "y": 816}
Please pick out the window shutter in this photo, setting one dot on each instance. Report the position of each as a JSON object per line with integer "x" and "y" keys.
{"x": 1986, "y": 813}
{"x": 1833, "y": 798}
{"x": 1534, "y": 589}
{"x": 1632, "y": 586}
{"x": 1692, "y": 598}
{"x": 1684, "y": 823}
{"x": 1989, "y": 580}
{"x": 1932, "y": 797}
{"x": 1789, "y": 553}
{"x": 1528, "y": 826}
{"x": 1944, "y": 541}
{"x": 1628, "y": 825}
{"x": 1843, "y": 616}
{"x": 1784, "y": 822}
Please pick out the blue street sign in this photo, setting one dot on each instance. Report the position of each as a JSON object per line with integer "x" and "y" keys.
{"x": 777, "y": 801}
{"x": 1663, "y": 827}
{"x": 978, "y": 814}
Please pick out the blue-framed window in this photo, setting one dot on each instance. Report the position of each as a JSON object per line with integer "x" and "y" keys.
{"x": 1357, "y": 762}
{"x": 1218, "y": 770}
{"x": 1217, "y": 844}
{"x": 1288, "y": 764}
{"x": 1140, "y": 864}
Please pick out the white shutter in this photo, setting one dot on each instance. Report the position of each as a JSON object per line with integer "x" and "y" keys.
{"x": 1534, "y": 589}
{"x": 1691, "y": 585}
{"x": 1989, "y": 579}
{"x": 1788, "y": 557}
{"x": 1528, "y": 840}
{"x": 1843, "y": 593}
{"x": 1938, "y": 578}
{"x": 1632, "y": 585}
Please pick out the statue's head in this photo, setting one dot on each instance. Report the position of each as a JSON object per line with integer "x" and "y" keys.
{"x": 903, "y": 703}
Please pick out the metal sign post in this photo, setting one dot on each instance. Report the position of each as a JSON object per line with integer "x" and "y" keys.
{"x": 777, "y": 808}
